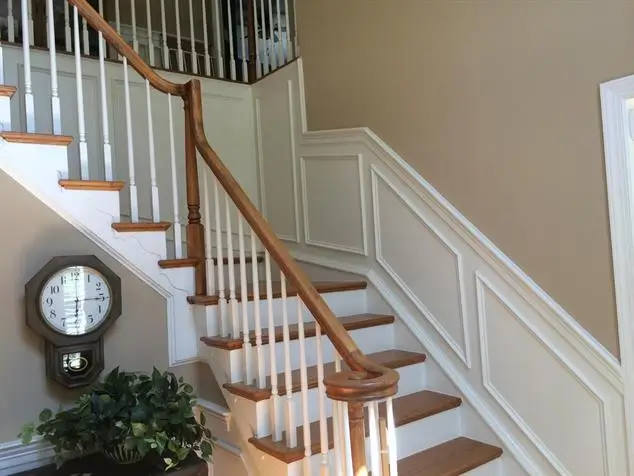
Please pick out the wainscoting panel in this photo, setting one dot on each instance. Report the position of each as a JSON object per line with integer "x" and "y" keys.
{"x": 334, "y": 204}
{"x": 550, "y": 394}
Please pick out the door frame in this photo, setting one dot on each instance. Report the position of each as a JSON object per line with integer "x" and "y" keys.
{"x": 617, "y": 108}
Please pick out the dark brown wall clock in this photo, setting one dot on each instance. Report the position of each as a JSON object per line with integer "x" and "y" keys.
{"x": 71, "y": 302}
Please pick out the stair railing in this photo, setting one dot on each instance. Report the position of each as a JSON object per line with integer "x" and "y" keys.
{"x": 357, "y": 384}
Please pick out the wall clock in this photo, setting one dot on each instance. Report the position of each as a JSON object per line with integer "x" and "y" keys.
{"x": 71, "y": 302}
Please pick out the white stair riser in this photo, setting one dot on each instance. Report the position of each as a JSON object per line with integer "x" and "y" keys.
{"x": 411, "y": 439}
{"x": 342, "y": 303}
{"x": 374, "y": 339}
{"x": 414, "y": 375}
{"x": 5, "y": 113}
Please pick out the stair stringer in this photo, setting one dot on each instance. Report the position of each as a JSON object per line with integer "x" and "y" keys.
{"x": 38, "y": 167}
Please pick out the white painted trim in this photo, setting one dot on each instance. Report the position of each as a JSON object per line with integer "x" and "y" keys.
{"x": 483, "y": 284}
{"x": 291, "y": 109}
{"x": 619, "y": 174}
{"x": 16, "y": 457}
{"x": 463, "y": 354}
{"x": 363, "y": 251}
{"x": 218, "y": 412}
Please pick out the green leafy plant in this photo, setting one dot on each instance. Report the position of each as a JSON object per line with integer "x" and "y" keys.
{"x": 149, "y": 414}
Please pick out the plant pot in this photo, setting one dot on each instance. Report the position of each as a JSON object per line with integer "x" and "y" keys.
{"x": 121, "y": 455}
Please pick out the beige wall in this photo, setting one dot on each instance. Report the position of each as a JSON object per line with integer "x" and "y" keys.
{"x": 32, "y": 234}
{"x": 496, "y": 103}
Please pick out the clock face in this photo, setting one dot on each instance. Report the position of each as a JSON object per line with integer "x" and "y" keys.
{"x": 75, "y": 300}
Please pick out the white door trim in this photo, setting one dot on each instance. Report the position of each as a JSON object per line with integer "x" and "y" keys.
{"x": 619, "y": 148}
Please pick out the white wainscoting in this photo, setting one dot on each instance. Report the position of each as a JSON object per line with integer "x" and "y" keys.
{"x": 227, "y": 110}
{"x": 551, "y": 394}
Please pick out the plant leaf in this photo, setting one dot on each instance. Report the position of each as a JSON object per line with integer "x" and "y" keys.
{"x": 45, "y": 415}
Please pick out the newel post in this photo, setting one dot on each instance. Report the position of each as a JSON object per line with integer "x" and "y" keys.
{"x": 195, "y": 229}
{"x": 356, "y": 417}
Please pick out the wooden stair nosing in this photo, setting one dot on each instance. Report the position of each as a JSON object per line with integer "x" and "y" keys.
{"x": 112, "y": 186}
{"x": 407, "y": 409}
{"x": 129, "y": 227}
{"x": 321, "y": 286}
{"x": 452, "y": 458}
{"x": 389, "y": 358}
{"x": 7, "y": 91}
{"x": 36, "y": 138}
{"x": 350, "y": 323}
{"x": 191, "y": 262}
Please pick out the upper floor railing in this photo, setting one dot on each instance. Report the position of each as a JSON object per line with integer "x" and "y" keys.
{"x": 216, "y": 226}
{"x": 240, "y": 40}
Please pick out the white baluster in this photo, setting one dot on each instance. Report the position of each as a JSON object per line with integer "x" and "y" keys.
{"x": 272, "y": 52}
{"x": 261, "y": 377}
{"x": 52, "y": 53}
{"x": 233, "y": 302}
{"x": 11, "y": 21}
{"x": 265, "y": 48}
{"x": 232, "y": 54}
{"x": 291, "y": 431}
{"x": 346, "y": 438}
{"x": 150, "y": 35}
{"x": 134, "y": 200}
{"x": 85, "y": 39}
{"x": 178, "y": 239}
{"x": 258, "y": 62}
{"x": 166, "y": 51}
{"x": 304, "y": 388}
{"x": 135, "y": 38}
{"x": 289, "y": 45}
{"x": 206, "y": 40}
{"x": 280, "y": 51}
{"x": 179, "y": 44}
{"x": 29, "y": 101}
{"x": 192, "y": 39}
{"x": 323, "y": 427}
{"x": 67, "y": 29}
{"x": 31, "y": 29}
{"x": 222, "y": 299}
{"x": 246, "y": 337}
{"x": 117, "y": 15}
{"x": 219, "y": 36}
{"x": 107, "y": 149}
{"x": 375, "y": 447}
{"x": 209, "y": 260}
{"x": 276, "y": 428}
{"x": 385, "y": 453}
{"x": 156, "y": 215}
{"x": 79, "y": 85}
{"x": 391, "y": 437}
{"x": 243, "y": 45}
{"x": 337, "y": 436}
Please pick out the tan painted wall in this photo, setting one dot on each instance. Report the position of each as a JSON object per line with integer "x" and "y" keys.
{"x": 496, "y": 103}
{"x": 32, "y": 234}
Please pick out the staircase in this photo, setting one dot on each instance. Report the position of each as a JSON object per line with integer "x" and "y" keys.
{"x": 318, "y": 382}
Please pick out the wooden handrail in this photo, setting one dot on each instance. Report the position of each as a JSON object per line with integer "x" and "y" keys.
{"x": 366, "y": 381}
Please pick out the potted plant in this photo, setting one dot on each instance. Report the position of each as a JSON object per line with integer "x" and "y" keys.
{"x": 128, "y": 417}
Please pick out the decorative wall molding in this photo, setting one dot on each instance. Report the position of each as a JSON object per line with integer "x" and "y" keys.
{"x": 463, "y": 353}
{"x": 483, "y": 287}
{"x": 358, "y": 158}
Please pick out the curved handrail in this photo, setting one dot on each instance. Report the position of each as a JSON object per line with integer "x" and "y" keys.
{"x": 366, "y": 380}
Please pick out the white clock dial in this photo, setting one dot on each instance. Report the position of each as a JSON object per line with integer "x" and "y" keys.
{"x": 75, "y": 300}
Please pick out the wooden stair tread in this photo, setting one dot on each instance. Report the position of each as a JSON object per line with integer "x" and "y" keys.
{"x": 321, "y": 286}
{"x": 407, "y": 409}
{"x": 392, "y": 359}
{"x": 351, "y": 323}
{"x": 113, "y": 186}
{"x": 34, "y": 138}
{"x": 7, "y": 91}
{"x": 191, "y": 262}
{"x": 129, "y": 227}
{"x": 451, "y": 458}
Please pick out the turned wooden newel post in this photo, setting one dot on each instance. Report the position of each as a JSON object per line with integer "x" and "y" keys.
{"x": 195, "y": 229}
{"x": 356, "y": 417}
{"x": 251, "y": 38}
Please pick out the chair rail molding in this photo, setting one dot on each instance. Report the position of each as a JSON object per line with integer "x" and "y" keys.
{"x": 617, "y": 108}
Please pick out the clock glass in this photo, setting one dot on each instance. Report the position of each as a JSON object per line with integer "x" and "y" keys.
{"x": 75, "y": 300}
